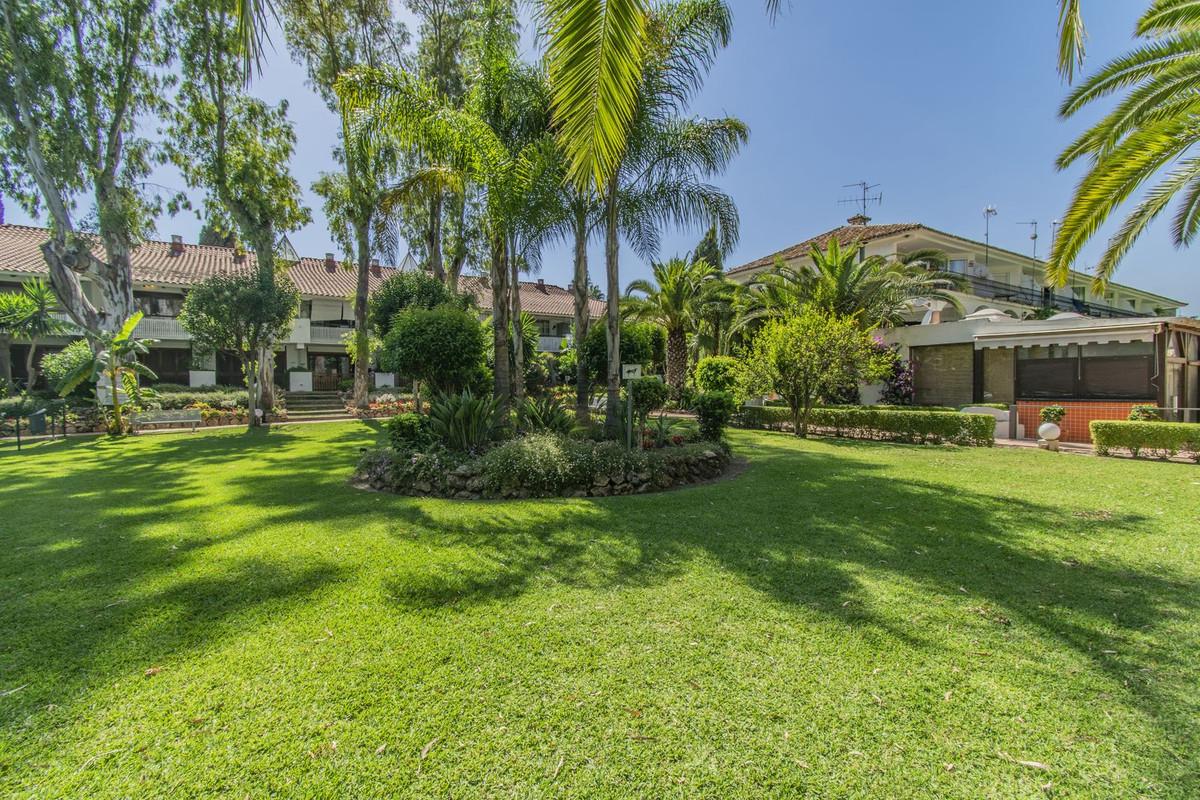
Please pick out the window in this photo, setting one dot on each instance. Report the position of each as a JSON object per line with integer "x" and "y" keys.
{"x": 958, "y": 266}
{"x": 1111, "y": 371}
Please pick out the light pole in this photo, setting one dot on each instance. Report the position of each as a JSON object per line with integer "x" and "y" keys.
{"x": 988, "y": 213}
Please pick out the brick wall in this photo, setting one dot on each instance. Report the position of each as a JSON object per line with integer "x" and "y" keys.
{"x": 1080, "y": 413}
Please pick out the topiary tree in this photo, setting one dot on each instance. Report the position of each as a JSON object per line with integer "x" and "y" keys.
{"x": 720, "y": 374}
{"x": 406, "y": 290}
{"x": 242, "y": 315}
{"x": 811, "y": 354}
{"x": 442, "y": 347}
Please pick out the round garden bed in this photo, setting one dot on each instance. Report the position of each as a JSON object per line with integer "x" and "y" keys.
{"x": 540, "y": 465}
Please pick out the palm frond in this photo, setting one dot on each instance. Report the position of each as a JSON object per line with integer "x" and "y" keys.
{"x": 594, "y": 56}
{"x": 1072, "y": 38}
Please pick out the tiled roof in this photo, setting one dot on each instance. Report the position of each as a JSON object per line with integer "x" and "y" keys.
{"x": 536, "y": 298}
{"x": 153, "y": 263}
{"x": 847, "y": 234}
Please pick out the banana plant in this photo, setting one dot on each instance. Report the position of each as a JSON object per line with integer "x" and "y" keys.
{"x": 114, "y": 356}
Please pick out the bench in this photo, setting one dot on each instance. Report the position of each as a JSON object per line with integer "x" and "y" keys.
{"x": 154, "y": 419}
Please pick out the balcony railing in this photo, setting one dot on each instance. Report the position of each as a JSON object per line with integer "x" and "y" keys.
{"x": 327, "y": 334}
{"x": 161, "y": 328}
{"x": 986, "y": 287}
{"x": 553, "y": 344}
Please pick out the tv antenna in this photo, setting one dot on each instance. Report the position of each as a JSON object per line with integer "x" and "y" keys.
{"x": 988, "y": 213}
{"x": 1033, "y": 234}
{"x": 863, "y": 201}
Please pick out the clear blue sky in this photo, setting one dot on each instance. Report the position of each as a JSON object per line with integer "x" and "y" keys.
{"x": 950, "y": 105}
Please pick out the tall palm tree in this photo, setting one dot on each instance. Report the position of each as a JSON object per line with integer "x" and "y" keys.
{"x": 875, "y": 290}
{"x": 674, "y": 299}
{"x": 500, "y": 138}
{"x": 1151, "y": 130}
{"x": 660, "y": 178}
{"x": 31, "y": 316}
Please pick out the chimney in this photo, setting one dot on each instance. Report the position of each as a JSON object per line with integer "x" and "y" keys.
{"x": 330, "y": 263}
{"x": 176, "y": 244}
{"x": 376, "y": 270}
{"x": 859, "y": 219}
{"x": 541, "y": 285}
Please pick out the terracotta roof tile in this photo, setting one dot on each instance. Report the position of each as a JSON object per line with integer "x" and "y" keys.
{"x": 845, "y": 235}
{"x": 154, "y": 263}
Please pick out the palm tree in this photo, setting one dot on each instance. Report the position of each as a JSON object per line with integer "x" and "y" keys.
{"x": 1151, "y": 131}
{"x": 114, "y": 357}
{"x": 30, "y": 315}
{"x": 660, "y": 177}
{"x": 500, "y": 138}
{"x": 875, "y": 290}
{"x": 674, "y": 300}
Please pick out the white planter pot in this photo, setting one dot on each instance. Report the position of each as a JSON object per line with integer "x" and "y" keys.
{"x": 385, "y": 380}
{"x": 299, "y": 381}
{"x": 202, "y": 377}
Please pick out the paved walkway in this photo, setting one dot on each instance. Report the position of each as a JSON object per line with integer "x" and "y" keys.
{"x": 1075, "y": 448}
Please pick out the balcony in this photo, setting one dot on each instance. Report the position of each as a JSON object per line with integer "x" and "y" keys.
{"x": 986, "y": 287}
{"x": 553, "y": 344}
{"x": 327, "y": 334}
{"x": 161, "y": 328}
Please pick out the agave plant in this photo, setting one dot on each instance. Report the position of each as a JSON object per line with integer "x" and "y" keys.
{"x": 464, "y": 421}
{"x": 545, "y": 414}
{"x": 114, "y": 356}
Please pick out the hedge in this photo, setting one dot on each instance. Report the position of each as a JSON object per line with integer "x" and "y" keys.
{"x": 1160, "y": 439}
{"x": 883, "y": 424}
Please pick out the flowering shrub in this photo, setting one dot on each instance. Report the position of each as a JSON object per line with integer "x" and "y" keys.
{"x": 898, "y": 384}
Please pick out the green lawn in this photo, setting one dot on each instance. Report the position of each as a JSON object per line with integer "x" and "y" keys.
{"x": 218, "y": 613}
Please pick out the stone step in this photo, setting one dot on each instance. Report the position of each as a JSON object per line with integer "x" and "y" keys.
{"x": 332, "y": 413}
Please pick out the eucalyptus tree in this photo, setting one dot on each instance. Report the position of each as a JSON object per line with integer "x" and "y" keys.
{"x": 236, "y": 149}
{"x": 499, "y": 137}
{"x": 81, "y": 80}
{"x": 329, "y": 37}
{"x": 1148, "y": 138}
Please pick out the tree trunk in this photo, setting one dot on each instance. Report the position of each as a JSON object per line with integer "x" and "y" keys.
{"x": 362, "y": 345}
{"x": 31, "y": 371}
{"x": 676, "y": 359}
{"x": 500, "y": 327}
{"x": 118, "y": 423}
{"x": 113, "y": 281}
{"x": 583, "y": 387}
{"x": 612, "y": 422}
{"x": 6, "y": 361}
{"x": 459, "y": 259}
{"x": 434, "y": 237}
{"x": 250, "y": 370}
{"x": 266, "y": 382}
{"x": 518, "y": 342}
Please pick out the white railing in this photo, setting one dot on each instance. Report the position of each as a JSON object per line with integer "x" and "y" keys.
{"x": 553, "y": 344}
{"x": 327, "y": 334}
{"x": 300, "y": 332}
{"x": 161, "y": 328}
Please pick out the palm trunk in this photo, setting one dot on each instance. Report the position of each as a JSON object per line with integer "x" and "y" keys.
{"x": 676, "y": 359}
{"x": 6, "y": 361}
{"x": 31, "y": 374}
{"x": 362, "y": 345}
{"x": 500, "y": 328}
{"x": 582, "y": 318}
{"x": 518, "y": 342}
{"x": 434, "y": 235}
{"x": 612, "y": 422}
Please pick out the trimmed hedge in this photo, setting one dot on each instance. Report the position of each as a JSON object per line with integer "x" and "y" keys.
{"x": 883, "y": 424}
{"x": 1160, "y": 439}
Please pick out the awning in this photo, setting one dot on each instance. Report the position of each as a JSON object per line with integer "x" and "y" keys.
{"x": 1082, "y": 335}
